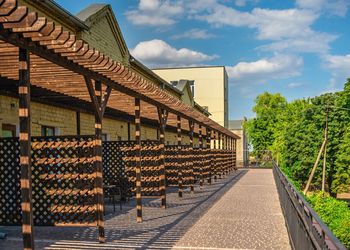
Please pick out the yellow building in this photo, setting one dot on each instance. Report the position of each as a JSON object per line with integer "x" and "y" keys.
{"x": 236, "y": 126}
{"x": 209, "y": 87}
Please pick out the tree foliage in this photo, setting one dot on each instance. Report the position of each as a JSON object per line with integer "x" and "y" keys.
{"x": 294, "y": 132}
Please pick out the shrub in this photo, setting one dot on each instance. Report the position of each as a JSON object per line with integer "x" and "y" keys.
{"x": 334, "y": 213}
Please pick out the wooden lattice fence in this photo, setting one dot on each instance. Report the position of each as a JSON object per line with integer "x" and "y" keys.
{"x": 10, "y": 175}
{"x": 150, "y": 167}
{"x": 63, "y": 181}
{"x": 179, "y": 158}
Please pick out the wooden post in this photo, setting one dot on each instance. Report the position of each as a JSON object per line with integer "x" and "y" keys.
{"x": 179, "y": 156}
{"x": 99, "y": 102}
{"x": 314, "y": 167}
{"x": 25, "y": 148}
{"x": 163, "y": 117}
{"x": 191, "y": 130}
{"x": 209, "y": 154}
{"x": 138, "y": 159}
{"x": 98, "y": 163}
{"x": 220, "y": 154}
{"x": 325, "y": 154}
{"x": 215, "y": 156}
{"x": 200, "y": 143}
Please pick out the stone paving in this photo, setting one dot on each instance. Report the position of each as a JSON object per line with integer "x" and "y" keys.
{"x": 240, "y": 211}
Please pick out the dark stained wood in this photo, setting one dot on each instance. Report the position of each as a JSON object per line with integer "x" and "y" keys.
{"x": 98, "y": 159}
{"x": 25, "y": 149}
{"x": 179, "y": 166}
{"x": 138, "y": 159}
{"x": 191, "y": 129}
{"x": 163, "y": 117}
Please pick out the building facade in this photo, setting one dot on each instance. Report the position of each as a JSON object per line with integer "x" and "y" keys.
{"x": 236, "y": 126}
{"x": 209, "y": 87}
{"x": 53, "y": 115}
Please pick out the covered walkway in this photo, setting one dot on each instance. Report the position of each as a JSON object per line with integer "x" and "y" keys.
{"x": 241, "y": 211}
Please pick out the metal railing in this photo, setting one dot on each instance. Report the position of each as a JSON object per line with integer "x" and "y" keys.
{"x": 306, "y": 230}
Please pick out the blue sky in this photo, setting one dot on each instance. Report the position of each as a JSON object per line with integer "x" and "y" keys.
{"x": 299, "y": 48}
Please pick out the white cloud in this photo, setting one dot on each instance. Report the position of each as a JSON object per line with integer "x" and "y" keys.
{"x": 271, "y": 24}
{"x": 334, "y": 7}
{"x": 155, "y": 12}
{"x": 194, "y": 34}
{"x": 242, "y": 3}
{"x": 288, "y": 29}
{"x": 263, "y": 70}
{"x": 339, "y": 65}
{"x": 157, "y": 53}
{"x": 293, "y": 85}
{"x": 316, "y": 43}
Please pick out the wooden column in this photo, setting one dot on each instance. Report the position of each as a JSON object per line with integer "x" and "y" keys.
{"x": 227, "y": 168}
{"x": 179, "y": 156}
{"x": 220, "y": 159}
{"x": 209, "y": 154}
{"x": 200, "y": 143}
{"x": 191, "y": 131}
{"x": 98, "y": 164}
{"x": 235, "y": 151}
{"x": 215, "y": 155}
{"x": 138, "y": 159}
{"x": 163, "y": 117}
{"x": 25, "y": 148}
{"x": 99, "y": 101}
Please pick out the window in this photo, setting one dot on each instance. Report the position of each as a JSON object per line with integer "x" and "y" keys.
{"x": 8, "y": 130}
{"x": 47, "y": 131}
{"x": 174, "y": 83}
{"x": 191, "y": 83}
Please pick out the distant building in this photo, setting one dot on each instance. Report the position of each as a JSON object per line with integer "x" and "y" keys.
{"x": 209, "y": 86}
{"x": 236, "y": 126}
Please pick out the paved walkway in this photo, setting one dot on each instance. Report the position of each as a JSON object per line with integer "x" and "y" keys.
{"x": 248, "y": 216}
{"x": 239, "y": 212}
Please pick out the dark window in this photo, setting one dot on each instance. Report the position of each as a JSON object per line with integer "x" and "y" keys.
{"x": 47, "y": 131}
{"x": 191, "y": 83}
{"x": 8, "y": 130}
{"x": 174, "y": 83}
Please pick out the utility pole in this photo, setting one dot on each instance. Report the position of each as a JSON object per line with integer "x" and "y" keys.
{"x": 322, "y": 150}
{"x": 325, "y": 153}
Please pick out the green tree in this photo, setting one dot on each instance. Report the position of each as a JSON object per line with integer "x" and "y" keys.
{"x": 263, "y": 128}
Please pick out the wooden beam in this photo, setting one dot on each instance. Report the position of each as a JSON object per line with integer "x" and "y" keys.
{"x": 25, "y": 149}
{"x": 105, "y": 99}
{"x": 138, "y": 159}
{"x": 94, "y": 99}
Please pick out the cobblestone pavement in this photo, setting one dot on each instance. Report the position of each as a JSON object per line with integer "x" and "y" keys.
{"x": 228, "y": 214}
{"x": 248, "y": 216}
